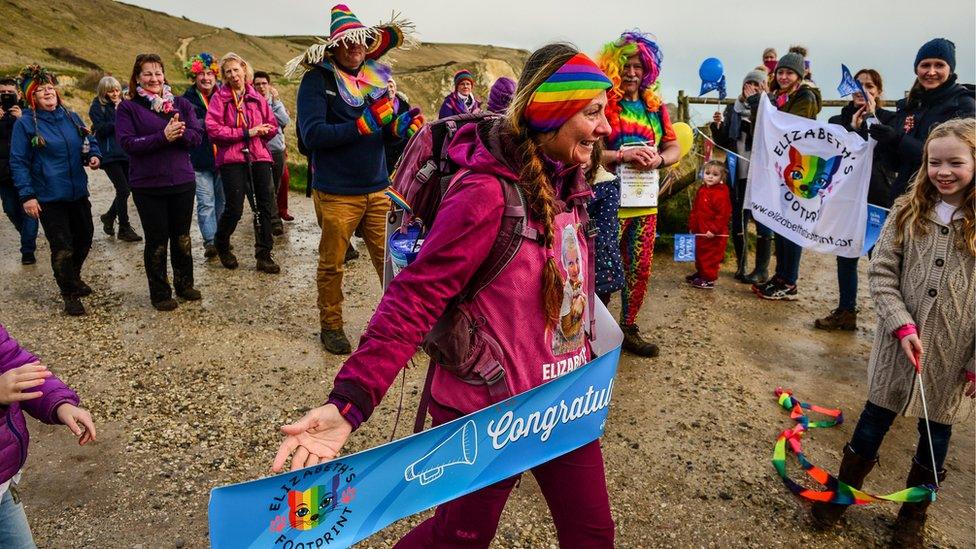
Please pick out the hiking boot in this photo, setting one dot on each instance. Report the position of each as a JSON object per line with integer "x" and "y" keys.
{"x": 127, "y": 234}
{"x": 82, "y": 289}
{"x": 909, "y": 528}
{"x": 838, "y": 319}
{"x": 777, "y": 290}
{"x": 702, "y": 284}
{"x": 165, "y": 304}
{"x": 209, "y": 251}
{"x": 764, "y": 249}
{"x": 351, "y": 253}
{"x": 108, "y": 223}
{"x": 740, "y": 258}
{"x": 853, "y": 470}
{"x": 73, "y": 306}
{"x": 335, "y": 341}
{"x": 189, "y": 294}
{"x": 635, "y": 344}
{"x": 277, "y": 228}
{"x": 28, "y": 259}
{"x": 227, "y": 259}
{"x": 266, "y": 264}
{"x": 285, "y": 216}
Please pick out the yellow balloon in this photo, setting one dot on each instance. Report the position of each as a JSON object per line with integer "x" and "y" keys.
{"x": 686, "y": 137}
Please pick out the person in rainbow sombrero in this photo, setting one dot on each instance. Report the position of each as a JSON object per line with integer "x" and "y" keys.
{"x": 345, "y": 116}
{"x": 534, "y": 312}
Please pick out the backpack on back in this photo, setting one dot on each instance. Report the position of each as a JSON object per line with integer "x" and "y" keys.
{"x": 423, "y": 176}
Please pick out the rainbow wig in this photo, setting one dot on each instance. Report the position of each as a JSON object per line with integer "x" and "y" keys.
{"x": 612, "y": 59}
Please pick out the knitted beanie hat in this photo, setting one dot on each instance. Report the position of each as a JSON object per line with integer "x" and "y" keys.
{"x": 30, "y": 78}
{"x": 938, "y": 48}
{"x": 501, "y": 94}
{"x": 461, "y": 76}
{"x": 792, "y": 61}
{"x": 757, "y": 76}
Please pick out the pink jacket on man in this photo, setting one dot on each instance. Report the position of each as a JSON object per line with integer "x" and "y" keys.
{"x": 229, "y": 133}
{"x": 509, "y": 310}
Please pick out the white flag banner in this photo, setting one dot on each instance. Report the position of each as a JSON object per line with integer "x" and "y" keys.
{"x": 808, "y": 181}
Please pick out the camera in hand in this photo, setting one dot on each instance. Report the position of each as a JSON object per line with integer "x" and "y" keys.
{"x": 7, "y": 100}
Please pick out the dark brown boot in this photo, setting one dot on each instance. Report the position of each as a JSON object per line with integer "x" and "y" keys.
{"x": 634, "y": 343}
{"x": 266, "y": 264}
{"x": 853, "y": 470}
{"x": 910, "y": 524}
{"x": 838, "y": 319}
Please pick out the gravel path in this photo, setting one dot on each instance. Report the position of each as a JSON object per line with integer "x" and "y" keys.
{"x": 192, "y": 399}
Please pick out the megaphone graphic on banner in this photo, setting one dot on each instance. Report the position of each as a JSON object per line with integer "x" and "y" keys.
{"x": 461, "y": 447}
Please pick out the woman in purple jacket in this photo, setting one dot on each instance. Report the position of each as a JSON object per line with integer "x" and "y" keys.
{"x": 157, "y": 130}
{"x": 240, "y": 123}
{"x": 27, "y": 385}
{"x": 543, "y": 144}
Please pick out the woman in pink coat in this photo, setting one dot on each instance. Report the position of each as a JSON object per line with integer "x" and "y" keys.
{"x": 240, "y": 124}
{"x": 542, "y": 146}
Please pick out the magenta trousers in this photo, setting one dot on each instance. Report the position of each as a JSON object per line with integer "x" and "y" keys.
{"x": 574, "y": 486}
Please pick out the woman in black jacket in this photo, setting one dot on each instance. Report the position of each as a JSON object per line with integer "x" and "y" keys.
{"x": 934, "y": 98}
{"x": 115, "y": 163}
{"x": 853, "y": 117}
{"x": 733, "y": 131}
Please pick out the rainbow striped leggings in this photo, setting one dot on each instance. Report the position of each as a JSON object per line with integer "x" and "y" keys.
{"x": 637, "y": 253}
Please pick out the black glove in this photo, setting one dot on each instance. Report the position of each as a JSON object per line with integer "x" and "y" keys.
{"x": 883, "y": 134}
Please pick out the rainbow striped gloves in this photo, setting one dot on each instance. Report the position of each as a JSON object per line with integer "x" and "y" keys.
{"x": 407, "y": 124}
{"x": 379, "y": 114}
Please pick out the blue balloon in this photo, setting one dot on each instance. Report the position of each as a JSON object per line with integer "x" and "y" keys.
{"x": 711, "y": 70}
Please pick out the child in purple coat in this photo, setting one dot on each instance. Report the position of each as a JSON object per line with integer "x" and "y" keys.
{"x": 27, "y": 385}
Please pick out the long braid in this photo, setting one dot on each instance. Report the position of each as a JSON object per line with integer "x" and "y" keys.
{"x": 537, "y": 187}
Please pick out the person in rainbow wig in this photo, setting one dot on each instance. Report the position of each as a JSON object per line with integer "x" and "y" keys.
{"x": 550, "y": 133}
{"x": 640, "y": 121}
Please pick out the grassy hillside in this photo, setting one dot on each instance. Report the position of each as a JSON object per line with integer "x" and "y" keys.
{"x": 83, "y": 39}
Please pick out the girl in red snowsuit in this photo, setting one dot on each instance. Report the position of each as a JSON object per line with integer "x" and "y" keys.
{"x": 709, "y": 221}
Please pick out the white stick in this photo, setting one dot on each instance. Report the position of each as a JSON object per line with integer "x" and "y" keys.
{"x": 925, "y": 409}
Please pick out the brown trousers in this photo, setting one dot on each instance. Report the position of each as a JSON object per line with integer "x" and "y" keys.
{"x": 338, "y": 217}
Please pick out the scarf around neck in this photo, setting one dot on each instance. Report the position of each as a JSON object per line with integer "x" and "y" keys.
{"x": 162, "y": 103}
{"x": 370, "y": 80}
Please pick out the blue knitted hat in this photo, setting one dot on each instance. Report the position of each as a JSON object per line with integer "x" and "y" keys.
{"x": 938, "y": 48}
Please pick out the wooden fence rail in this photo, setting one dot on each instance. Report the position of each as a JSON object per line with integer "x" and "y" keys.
{"x": 685, "y": 100}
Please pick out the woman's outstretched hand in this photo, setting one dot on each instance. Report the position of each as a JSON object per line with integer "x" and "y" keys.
{"x": 315, "y": 438}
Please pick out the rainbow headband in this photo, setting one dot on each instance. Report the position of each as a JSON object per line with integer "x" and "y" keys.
{"x": 565, "y": 93}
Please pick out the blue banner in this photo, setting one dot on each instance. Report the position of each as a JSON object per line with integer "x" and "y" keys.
{"x": 876, "y": 219}
{"x": 684, "y": 247}
{"x": 339, "y": 503}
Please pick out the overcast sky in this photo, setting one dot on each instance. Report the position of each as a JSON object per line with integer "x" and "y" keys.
{"x": 881, "y": 34}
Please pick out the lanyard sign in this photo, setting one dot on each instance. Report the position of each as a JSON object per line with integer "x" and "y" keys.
{"x": 339, "y": 503}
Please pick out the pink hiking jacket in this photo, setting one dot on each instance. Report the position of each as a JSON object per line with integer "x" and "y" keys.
{"x": 229, "y": 135}
{"x": 509, "y": 310}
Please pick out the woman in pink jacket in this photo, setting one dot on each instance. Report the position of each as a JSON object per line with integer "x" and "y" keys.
{"x": 551, "y": 131}
{"x": 240, "y": 124}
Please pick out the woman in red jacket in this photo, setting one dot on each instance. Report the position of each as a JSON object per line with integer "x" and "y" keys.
{"x": 552, "y": 129}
